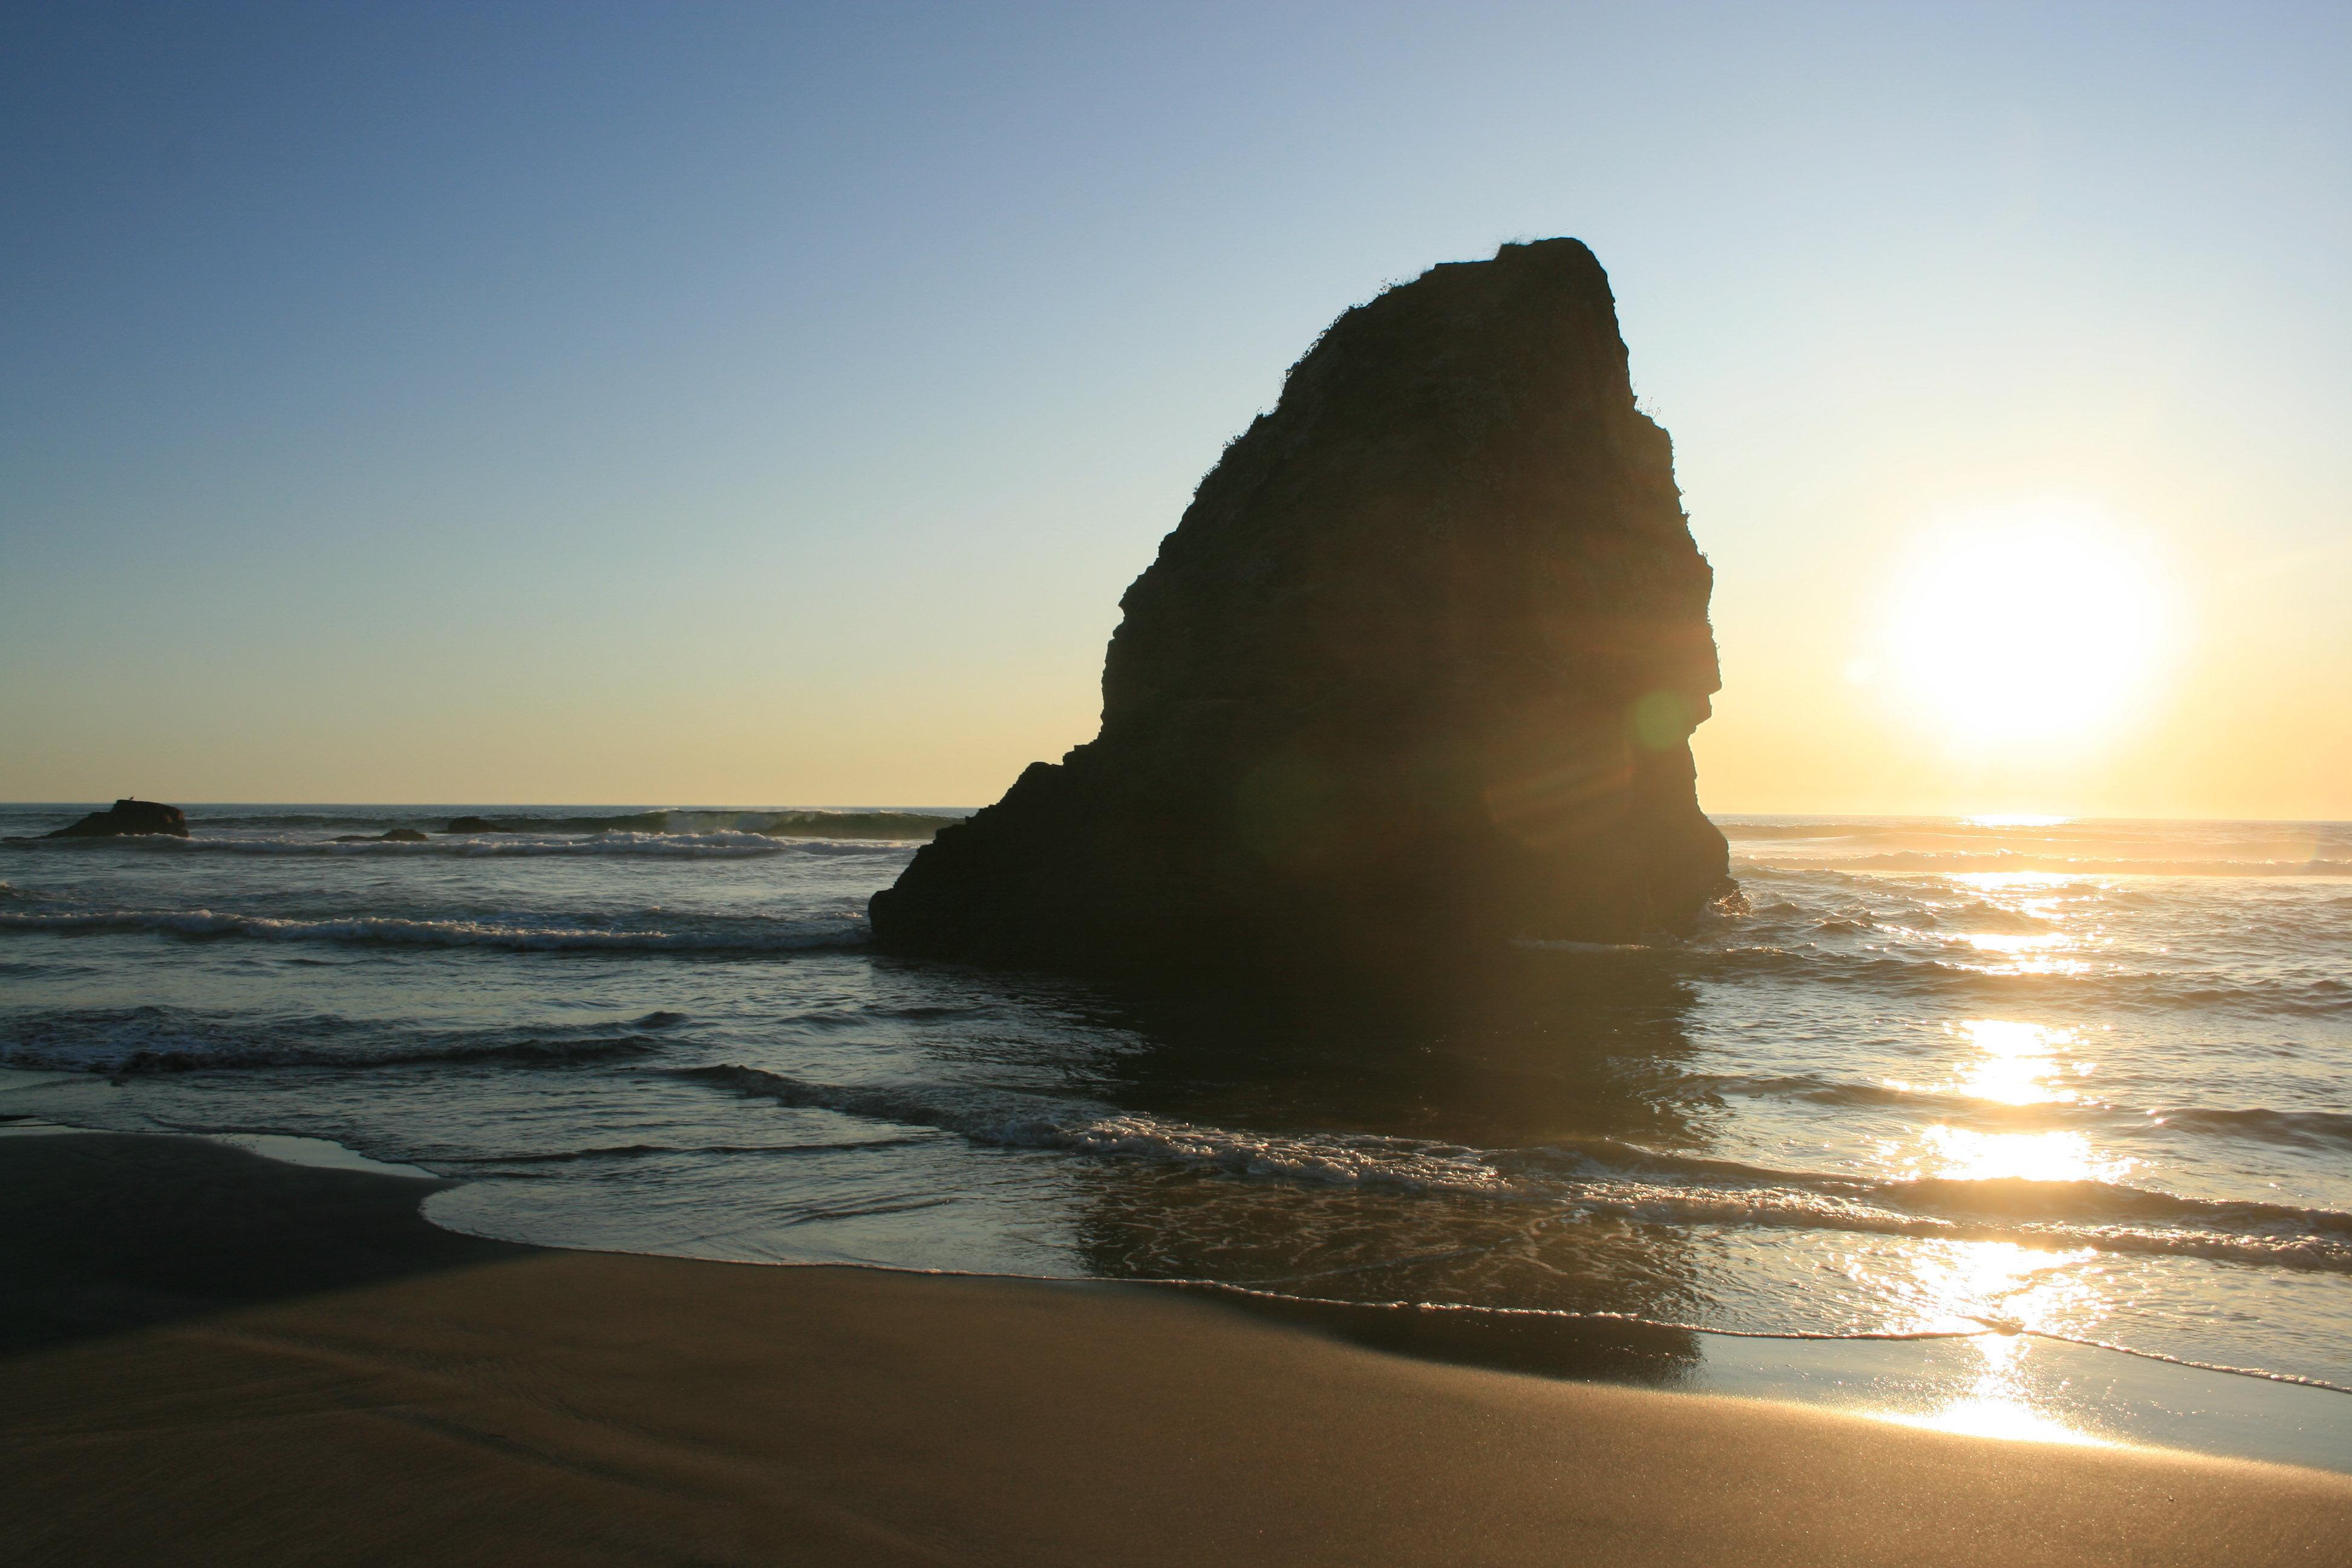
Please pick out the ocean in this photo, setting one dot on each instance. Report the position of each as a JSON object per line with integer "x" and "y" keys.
{"x": 1951, "y": 1115}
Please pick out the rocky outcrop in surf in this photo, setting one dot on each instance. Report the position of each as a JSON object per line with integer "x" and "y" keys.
{"x": 127, "y": 816}
{"x": 1416, "y": 673}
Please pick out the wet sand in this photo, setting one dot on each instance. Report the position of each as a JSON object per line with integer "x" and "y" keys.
{"x": 213, "y": 1358}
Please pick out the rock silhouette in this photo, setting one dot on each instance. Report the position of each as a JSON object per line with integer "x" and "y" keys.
{"x": 127, "y": 816}
{"x": 1415, "y": 674}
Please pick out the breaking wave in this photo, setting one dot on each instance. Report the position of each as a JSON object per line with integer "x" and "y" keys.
{"x": 1942, "y": 974}
{"x": 885, "y": 824}
{"x": 737, "y": 936}
{"x": 2301, "y": 1128}
{"x": 1009, "y": 1119}
{"x": 1968, "y": 862}
{"x": 2187, "y": 848}
{"x": 801, "y": 823}
{"x": 1821, "y": 1039}
{"x": 719, "y": 845}
{"x": 1606, "y": 1177}
{"x": 136, "y": 1041}
{"x": 654, "y": 1150}
{"x": 164, "y": 1058}
{"x": 2290, "y": 1128}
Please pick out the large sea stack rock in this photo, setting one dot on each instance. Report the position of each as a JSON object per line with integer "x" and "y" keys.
{"x": 128, "y": 817}
{"x": 1415, "y": 675}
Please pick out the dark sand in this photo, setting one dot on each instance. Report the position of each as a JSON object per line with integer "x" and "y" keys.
{"x": 286, "y": 1365}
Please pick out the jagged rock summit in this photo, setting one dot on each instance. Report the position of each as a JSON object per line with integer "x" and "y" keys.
{"x": 1415, "y": 674}
{"x": 127, "y": 816}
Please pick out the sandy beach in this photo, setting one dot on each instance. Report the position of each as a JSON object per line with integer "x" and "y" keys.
{"x": 386, "y": 1392}
{"x": 1033, "y": 785}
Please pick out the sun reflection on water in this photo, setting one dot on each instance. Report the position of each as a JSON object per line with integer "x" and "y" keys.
{"x": 2060, "y": 942}
{"x": 1965, "y": 1154}
{"x": 2009, "y": 1062}
{"x": 2006, "y": 882}
{"x": 1963, "y": 1285}
{"x": 2007, "y": 1288}
{"x": 2010, "y": 1289}
{"x": 1998, "y": 1404}
{"x": 2018, "y": 1063}
{"x": 2012, "y": 1062}
{"x": 2017, "y": 944}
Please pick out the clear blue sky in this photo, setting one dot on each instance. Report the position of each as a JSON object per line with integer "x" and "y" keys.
{"x": 769, "y": 404}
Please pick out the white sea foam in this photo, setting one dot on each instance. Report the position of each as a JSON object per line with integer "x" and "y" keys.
{"x": 722, "y": 845}
{"x": 171, "y": 1047}
{"x": 1605, "y": 1178}
{"x": 2013, "y": 861}
{"x": 738, "y": 936}
{"x": 2194, "y": 1029}
{"x": 1009, "y": 1119}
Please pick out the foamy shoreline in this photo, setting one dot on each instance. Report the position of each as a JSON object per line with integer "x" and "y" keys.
{"x": 481, "y": 1403}
{"x": 2044, "y": 1389}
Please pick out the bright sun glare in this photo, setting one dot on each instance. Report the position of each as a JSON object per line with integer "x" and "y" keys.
{"x": 2037, "y": 624}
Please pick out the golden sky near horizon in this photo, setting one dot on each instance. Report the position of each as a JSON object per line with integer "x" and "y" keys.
{"x": 2046, "y": 655}
{"x": 769, "y": 406}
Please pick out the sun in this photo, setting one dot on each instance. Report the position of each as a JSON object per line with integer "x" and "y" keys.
{"x": 2043, "y": 625}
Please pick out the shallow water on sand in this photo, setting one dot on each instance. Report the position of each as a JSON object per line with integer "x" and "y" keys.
{"x": 2083, "y": 1080}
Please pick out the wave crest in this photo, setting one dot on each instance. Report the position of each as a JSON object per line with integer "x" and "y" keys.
{"x": 1970, "y": 862}
{"x": 846, "y": 930}
{"x": 1605, "y": 1177}
{"x": 719, "y": 845}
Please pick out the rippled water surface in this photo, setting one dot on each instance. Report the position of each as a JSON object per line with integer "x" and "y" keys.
{"x": 2088, "y": 1079}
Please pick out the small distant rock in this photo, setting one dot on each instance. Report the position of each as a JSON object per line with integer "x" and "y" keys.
{"x": 127, "y": 817}
{"x": 471, "y": 824}
{"x": 397, "y": 835}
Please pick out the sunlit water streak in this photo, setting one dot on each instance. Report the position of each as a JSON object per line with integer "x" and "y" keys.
{"x": 2007, "y": 1078}
{"x": 1997, "y": 1404}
